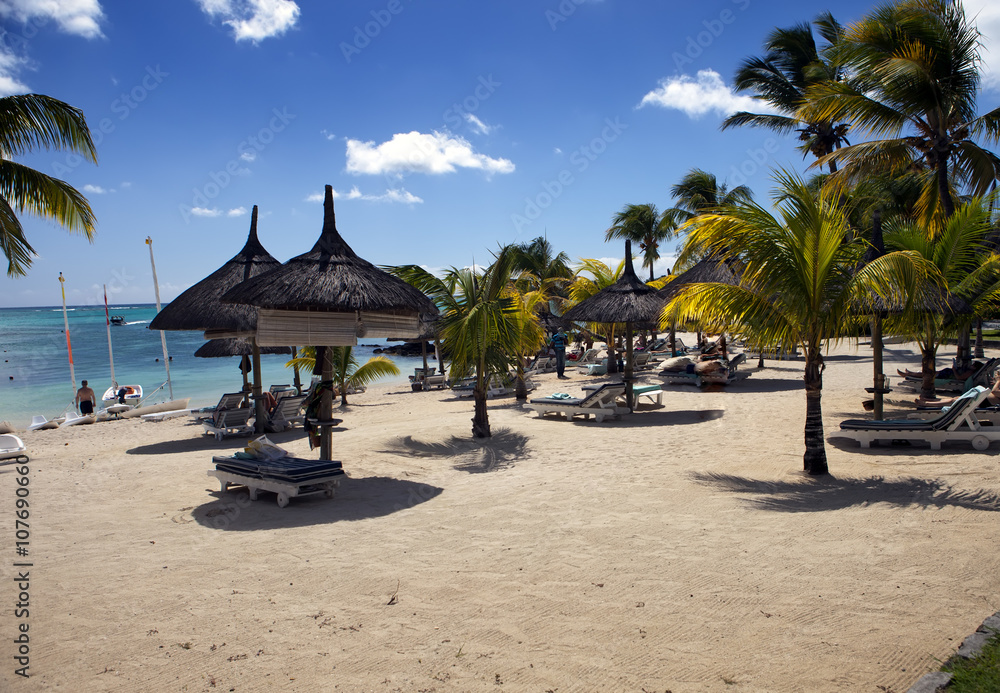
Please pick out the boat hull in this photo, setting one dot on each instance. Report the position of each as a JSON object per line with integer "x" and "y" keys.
{"x": 133, "y": 395}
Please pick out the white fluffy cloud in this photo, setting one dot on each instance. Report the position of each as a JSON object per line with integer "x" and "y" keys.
{"x": 417, "y": 152}
{"x": 391, "y": 195}
{"x": 253, "y": 20}
{"x": 94, "y": 189}
{"x": 205, "y": 212}
{"x": 986, "y": 15}
{"x": 701, "y": 95}
{"x": 236, "y": 212}
{"x": 80, "y": 17}
{"x": 477, "y": 125}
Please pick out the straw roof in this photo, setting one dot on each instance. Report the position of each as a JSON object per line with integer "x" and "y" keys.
{"x": 330, "y": 277}
{"x": 217, "y": 348}
{"x": 627, "y": 300}
{"x": 200, "y": 308}
{"x": 710, "y": 270}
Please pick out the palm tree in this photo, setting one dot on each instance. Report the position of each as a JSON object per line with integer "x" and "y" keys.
{"x": 801, "y": 282}
{"x": 478, "y": 323}
{"x": 583, "y": 287}
{"x": 29, "y": 122}
{"x": 698, "y": 192}
{"x": 347, "y": 372}
{"x": 540, "y": 268}
{"x": 530, "y": 334}
{"x": 914, "y": 80}
{"x": 780, "y": 78}
{"x": 644, "y": 225}
{"x": 970, "y": 270}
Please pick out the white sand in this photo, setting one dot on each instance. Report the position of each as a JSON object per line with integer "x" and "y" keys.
{"x": 681, "y": 548}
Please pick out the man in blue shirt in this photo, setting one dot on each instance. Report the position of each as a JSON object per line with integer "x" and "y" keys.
{"x": 558, "y": 343}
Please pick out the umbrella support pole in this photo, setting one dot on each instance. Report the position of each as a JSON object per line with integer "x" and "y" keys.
{"x": 326, "y": 409}
{"x": 628, "y": 377}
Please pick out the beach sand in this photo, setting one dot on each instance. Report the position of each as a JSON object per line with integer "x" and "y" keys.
{"x": 679, "y": 549}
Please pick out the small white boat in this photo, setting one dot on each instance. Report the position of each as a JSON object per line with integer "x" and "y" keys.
{"x": 40, "y": 423}
{"x": 12, "y": 448}
{"x": 74, "y": 419}
{"x": 123, "y": 394}
{"x": 172, "y": 405}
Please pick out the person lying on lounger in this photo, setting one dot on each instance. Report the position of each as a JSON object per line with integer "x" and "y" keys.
{"x": 993, "y": 397}
{"x": 944, "y": 373}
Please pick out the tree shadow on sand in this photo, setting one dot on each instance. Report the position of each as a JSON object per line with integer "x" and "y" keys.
{"x": 658, "y": 415}
{"x": 210, "y": 444}
{"x": 829, "y": 493}
{"x": 500, "y": 451}
{"x": 357, "y": 499}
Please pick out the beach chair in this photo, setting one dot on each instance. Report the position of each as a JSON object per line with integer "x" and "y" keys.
{"x": 958, "y": 422}
{"x": 601, "y": 403}
{"x": 588, "y": 357}
{"x": 731, "y": 374}
{"x": 286, "y": 413}
{"x": 12, "y": 448}
{"x": 230, "y": 422}
{"x": 653, "y": 392}
{"x": 542, "y": 364}
{"x": 230, "y": 400}
{"x": 982, "y": 376}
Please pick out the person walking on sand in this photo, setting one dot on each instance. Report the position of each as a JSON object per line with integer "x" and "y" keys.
{"x": 85, "y": 399}
{"x": 558, "y": 344}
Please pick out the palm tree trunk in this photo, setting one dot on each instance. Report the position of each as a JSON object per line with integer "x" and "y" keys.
{"x": 943, "y": 191}
{"x": 481, "y": 419}
{"x": 963, "y": 353}
{"x": 879, "y": 382}
{"x": 928, "y": 369}
{"x": 814, "y": 459}
{"x": 520, "y": 387}
{"x": 979, "y": 339}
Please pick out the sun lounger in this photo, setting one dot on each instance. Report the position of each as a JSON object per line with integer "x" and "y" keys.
{"x": 12, "y": 448}
{"x": 289, "y": 477}
{"x": 230, "y": 422}
{"x": 230, "y": 400}
{"x": 983, "y": 375}
{"x": 959, "y": 422}
{"x": 542, "y": 364}
{"x": 653, "y": 392}
{"x": 601, "y": 403}
{"x": 286, "y": 413}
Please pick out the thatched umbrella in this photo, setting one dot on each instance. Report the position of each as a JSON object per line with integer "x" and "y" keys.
{"x": 628, "y": 300}
{"x": 219, "y": 348}
{"x": 200, "y": 307}
{"x": 710, "y": 270}
{"x": 329, "y": 297}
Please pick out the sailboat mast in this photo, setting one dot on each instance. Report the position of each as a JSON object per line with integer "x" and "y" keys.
{"x": 69, "y": 347}
{"x": 163, "y": 337}
{"x": 111, "y": 353}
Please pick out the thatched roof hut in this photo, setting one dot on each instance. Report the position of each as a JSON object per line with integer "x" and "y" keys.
{"x": 710, "y": 270}
{"x": 218, "y": 348}
{"x": 199, "y": 307}
{"x": 330, "y": 278}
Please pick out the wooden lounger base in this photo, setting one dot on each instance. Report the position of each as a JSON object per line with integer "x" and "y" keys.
{"x": 286, "y": 491}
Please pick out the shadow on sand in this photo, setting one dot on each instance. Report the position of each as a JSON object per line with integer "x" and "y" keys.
{"x": 210, "y": 444}
{"x": 357, "y": 499}
{"x": 500, "y": 451}
{"x": 659, "y": 415}
{"x": 829, "y": 493}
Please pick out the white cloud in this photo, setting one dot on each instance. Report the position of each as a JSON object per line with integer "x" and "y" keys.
{"x": 249, "y": 156}
{"x": 94, "y": 189}
{"x": 477, "y": 125}
{"x": 391, "y": 195}
{"x": 696, "y": 97}
{"x": 10, "y": 64}
{"x": 203, "y": 212}
{"x": 254, "y": 20}
{"x": 79, "y": 17}
{"x": 416, "y": 152}
{"x": 236, "y": 212}
{"x": 986, "y": 15}
{"x": 557, "y": 151}
{"x": 327, "y": 134}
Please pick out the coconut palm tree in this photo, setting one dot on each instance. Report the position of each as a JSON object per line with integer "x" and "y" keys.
{"x": 699, "y": 191}
{"x": 583, "y": 287}
{"x": 540, "y": 268}
{"x": 792, "y": 62}
{"x": 914, "y": 81}
{"x": 348, "y": 373}
{"x": 969, "y": 268}
{"x": 644, "y": 225}
{"x": 800, "y": 284}
{"x": 478, "y": 323}
{"x": 530, "y": 335}
{"x": 29, "y": 122}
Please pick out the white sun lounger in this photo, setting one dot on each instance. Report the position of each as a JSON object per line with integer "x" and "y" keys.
{"x": 602, "y": 404}
{"x": 959, "y": 422}
{"x": 230, "y": 422}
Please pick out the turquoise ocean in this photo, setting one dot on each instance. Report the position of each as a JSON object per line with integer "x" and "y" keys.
{"x": 35, "y": 374}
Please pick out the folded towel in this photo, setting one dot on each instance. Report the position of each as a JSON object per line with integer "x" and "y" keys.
{"x": 560, "y": 395}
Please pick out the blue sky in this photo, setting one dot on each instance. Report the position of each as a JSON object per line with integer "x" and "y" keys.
{"x": 446, "y": 128}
